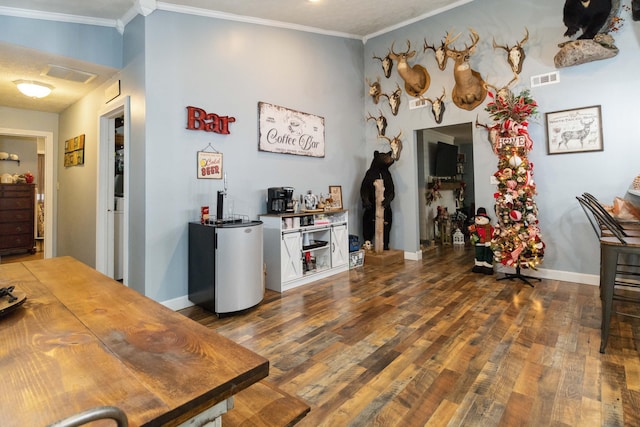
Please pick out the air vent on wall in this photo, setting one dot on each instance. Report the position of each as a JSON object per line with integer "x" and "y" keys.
{"x": 545, "y": 79}
{"x": 69, "y": 74}
{"x": 417, "y": 103}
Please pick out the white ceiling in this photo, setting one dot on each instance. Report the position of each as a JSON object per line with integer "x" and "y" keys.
{"x": 358, "y": 19}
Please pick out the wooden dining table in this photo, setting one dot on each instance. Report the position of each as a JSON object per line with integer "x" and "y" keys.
{"x": 82, "y": 340}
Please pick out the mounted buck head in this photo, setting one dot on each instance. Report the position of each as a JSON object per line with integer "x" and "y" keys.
{"x": 437, "y": 106}
{"x": 396, "y": 145}
{"x": 416, "y": 78}
{"x": 387, "y": 64}
{"x": 515, "y": 54}
{"x": 440, "y": 52}
{"x": 394, "y": 100}
{"x": 504, "y": 90}
{"x": 375, "y": 90}
{"x": 492, "y": 135}
{"x": 381, "y": 122}
{"x": 469, "y": 90}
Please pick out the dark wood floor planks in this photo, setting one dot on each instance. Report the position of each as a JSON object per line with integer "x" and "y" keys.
{"x": 430, "y": 343}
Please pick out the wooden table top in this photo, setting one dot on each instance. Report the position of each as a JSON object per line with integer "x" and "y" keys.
{"x": 83, "y": 340}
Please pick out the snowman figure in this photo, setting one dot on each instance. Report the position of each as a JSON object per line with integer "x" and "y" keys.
{"x": 481, "y": 232}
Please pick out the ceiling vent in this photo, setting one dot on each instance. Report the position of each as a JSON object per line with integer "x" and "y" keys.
{"x": 68, "y": 74}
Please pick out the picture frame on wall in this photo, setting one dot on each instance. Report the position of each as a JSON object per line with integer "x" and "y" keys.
{"x": 577, "y": 130}
{"x": 335, "y": 192}
{"x": 74, "y": 151}
{"x": 209, "y": 165}
{"x": 286, "y": 131}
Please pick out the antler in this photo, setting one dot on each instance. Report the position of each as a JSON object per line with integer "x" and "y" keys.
{"x": 468, "y": 50}
{"x": 526, "y": 37}
{"x": 518, "y": 44}
{"x": 501, "y": 91}
{"x": 475, "y": 38}
{"x": 396, "y": 145}
{"x": 439, "y": 99}
{"x": 401, "y": 53}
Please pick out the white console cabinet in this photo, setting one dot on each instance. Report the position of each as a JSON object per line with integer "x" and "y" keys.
{"x": 303, "y": 247}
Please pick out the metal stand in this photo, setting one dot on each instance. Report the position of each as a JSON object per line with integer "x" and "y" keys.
{"x": 517, "y": 275}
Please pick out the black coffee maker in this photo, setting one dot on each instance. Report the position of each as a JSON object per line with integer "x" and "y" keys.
{"x": 280, "y": 200}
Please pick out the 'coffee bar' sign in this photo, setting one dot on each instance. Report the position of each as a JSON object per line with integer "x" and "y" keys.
{"x": 199, "y": 119}
{"x": 290, "y": 132}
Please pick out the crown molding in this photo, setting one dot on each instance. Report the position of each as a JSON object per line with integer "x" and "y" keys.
{"x": 52, "y": 16}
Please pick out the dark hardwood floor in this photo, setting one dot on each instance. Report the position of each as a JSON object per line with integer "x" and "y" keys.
{"x": 430, "y": 343}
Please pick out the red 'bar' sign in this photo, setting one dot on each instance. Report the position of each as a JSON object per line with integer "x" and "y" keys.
{"x": 198, "y": 119}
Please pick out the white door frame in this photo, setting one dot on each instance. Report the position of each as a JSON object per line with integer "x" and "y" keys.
{"x": 105, "y": 184}
{"x": 50, "y": 205}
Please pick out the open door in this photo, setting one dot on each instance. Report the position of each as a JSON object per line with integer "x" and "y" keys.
{"x": 112, "y": 224}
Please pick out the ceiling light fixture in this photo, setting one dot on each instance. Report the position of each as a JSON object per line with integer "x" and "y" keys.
{"x": 33, "y": 89}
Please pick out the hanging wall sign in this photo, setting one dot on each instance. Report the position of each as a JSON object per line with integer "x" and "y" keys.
{"x": 290, "y": 132}
{"x": 209, "y": 165}
{"x": 514, "y": 141}
{"x": 199, "y": 119}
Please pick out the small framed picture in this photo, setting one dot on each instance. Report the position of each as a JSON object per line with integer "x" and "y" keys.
{"x": 209, "y": 165}
{"x": 574, "y": 131}
{"x": 335, "y": 192}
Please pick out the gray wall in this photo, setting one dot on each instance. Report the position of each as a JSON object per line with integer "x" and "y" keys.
{"x": 26, "y": 148}
{"x": 571, "y": 245}
{"x": 92, "y": 43}
{"x": 226, "y": 68}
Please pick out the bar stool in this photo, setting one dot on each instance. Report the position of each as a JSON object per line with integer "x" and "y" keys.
{"x": 611, "y": 247}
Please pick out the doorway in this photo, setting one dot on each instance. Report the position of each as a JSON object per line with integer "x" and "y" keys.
{"x": 46, "y": 201}
{"x": 112, "y": 222}
{"x": 449, "y": 195}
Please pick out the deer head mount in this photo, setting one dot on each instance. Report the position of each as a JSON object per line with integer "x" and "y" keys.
{"x": 440, "y": 52}
{"x": 504, "y": 90}
{"x": 381, "y": 123}
{"x": 515, "y": 54}
{"x": 386, "y": 63}
{"x": 394, "y": 100}
{"x": 469, "y": 90}
{"x": 396, "y": 145}
{"x": 416, "y": 78}
{"x": 493, "y": 132}
{"x": 437, "y": 106}
{"x": 375, "y": 90}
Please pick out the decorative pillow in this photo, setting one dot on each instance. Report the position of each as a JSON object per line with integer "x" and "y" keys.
{"x": 624, "y": 210}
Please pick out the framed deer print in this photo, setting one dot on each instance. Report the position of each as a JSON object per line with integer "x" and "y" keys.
{"x": 574, "y": 131}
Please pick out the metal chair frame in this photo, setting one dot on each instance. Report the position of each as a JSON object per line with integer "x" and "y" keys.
{"x": 94, "y": 414}
{"x": 611, "y": 247}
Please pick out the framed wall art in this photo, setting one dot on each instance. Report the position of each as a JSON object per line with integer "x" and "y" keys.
{"x": 209, "y": 165}
{"x": 574, "y": 131}
{"x": 335, "y": 192}
{"x": 74, "y": 151}
{"x": 290, "y": 132}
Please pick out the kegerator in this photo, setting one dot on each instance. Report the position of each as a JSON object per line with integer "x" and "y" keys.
{"x": 226, "y": 265}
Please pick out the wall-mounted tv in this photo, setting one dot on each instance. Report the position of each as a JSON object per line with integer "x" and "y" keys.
{"x": 446, "y": 160}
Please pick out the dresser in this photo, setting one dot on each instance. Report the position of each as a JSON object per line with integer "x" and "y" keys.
{"x": 17, "y": 205}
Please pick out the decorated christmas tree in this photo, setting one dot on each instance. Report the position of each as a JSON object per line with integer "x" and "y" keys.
{"x": 516, "y": 239}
